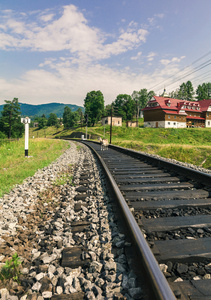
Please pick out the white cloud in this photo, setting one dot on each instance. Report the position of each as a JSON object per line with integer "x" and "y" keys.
{"x": 46, "y": 18}
{"x": 153, "y": 20}
{"x": 80, "y": 49}
{"x": 69, "y": 32}
{"x": 15, "y": 26}
{"x": 68, "y": 83}
{"x": 166, "y": 62}
{"x": 137, "y": 56}
{"x": 151, "y": 56}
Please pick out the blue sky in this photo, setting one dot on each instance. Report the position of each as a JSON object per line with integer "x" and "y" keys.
{"x": 58, "y": 51}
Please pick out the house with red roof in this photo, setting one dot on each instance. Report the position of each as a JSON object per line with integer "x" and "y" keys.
{"x": 167, "y": 112}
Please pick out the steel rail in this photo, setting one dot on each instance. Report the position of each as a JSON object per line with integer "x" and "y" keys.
{"x": 161, "y": 288}
{"x": 204, "y": 178}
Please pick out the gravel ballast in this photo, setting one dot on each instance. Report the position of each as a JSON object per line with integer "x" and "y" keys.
{"x": 37, "y": 220}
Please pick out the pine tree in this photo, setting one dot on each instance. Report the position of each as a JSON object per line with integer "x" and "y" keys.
{"x": 10, "y": 121}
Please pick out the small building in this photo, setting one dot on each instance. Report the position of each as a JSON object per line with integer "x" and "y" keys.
{"x": 167, "y": 112}
{"x": 132, "y": 124}
{"x": 116, "y": 121}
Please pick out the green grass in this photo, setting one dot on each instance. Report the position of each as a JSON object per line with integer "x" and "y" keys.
{"x": 64, "y": 179}
{"x": 47, "y": 132}
{"x": 15, "y": 167}
{"x": 11, "y": 269}
{"x": 186, "y": 136}
{"x": 190, "y": 145}
{"x": 196, "y": 155}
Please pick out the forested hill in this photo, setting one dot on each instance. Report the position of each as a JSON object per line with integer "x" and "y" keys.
{"x": 29, "y": 110}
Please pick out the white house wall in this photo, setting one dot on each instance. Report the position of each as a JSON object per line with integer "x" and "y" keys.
{"x": 165, "y": 124}
{"x": 208, "y": 123}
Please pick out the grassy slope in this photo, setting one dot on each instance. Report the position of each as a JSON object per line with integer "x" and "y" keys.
{"x": 187, "y": 145}
{"x": 15, "y": 167}
{"x": 191, "y": 145}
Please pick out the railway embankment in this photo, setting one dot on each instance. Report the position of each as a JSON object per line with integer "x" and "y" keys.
{"x": 63, "y": 227}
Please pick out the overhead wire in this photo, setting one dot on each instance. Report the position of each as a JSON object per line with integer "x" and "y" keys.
{"x": 201, "y": 66}
{"x": 177, "y": 78}
{"x": 206, "y": 74}
{"x": 192, "y": 72}
{"x": 197, "y": 78}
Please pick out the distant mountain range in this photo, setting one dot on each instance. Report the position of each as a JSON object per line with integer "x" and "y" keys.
{"x": 29, "y": 110}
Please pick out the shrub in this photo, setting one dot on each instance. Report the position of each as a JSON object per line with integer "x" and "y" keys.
{"x": 11, "y": 269}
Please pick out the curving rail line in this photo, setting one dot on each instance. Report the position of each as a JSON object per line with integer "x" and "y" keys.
{"x": 146, "y": 186}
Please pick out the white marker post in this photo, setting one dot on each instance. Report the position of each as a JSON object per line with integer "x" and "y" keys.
{"x": 26, "y": 121}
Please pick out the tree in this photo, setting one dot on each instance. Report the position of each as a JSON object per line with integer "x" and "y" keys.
{"x": 182, "y": 92}
{"x": 68, "y": 118}
{"x": 79, "y": 116}
{"x": 52, "y": 120}
{"x": 10, "y": 121}
{"x": 94, "y": 106}
{"x": 174, "y": 94}
{"x": 189, "y": 90}
{"x": 203, "y": 91}
{"x": 125, "y": 106}
{"x": 107, "y": 111}
{"x": 186, "y": 91}
{"x": 42, "y": 121}
{"x": 130, "y": 108}
{"x": 141, "y": 98}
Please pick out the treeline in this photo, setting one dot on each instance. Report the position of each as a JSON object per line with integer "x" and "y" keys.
{"x": 70, "y": 119}
{"x": 187, "y": 92}
{"x": 126, "y": 106}
{"x": 129, "y": 106}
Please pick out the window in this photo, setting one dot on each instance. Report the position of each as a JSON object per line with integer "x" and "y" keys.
{"x": 169, "y": 117}
{"x": 207, "y": 114}
{"x": 169, "y": 123}
{"x": 175, "y": 117}
{"x": 174, "y": 123}
{"x": 208, "y": 123}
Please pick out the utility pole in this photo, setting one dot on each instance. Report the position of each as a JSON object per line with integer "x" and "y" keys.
{"x": 81, "y": 120}
{"x": 86, "y": 120}
{"x": 111, "y": 122}
{"x": 26, "y": 121}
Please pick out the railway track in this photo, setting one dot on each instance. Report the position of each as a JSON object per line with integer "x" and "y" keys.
{"x": 170, "y": 220}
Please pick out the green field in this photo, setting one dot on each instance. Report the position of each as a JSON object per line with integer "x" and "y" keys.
{"x": 189, "y": 145}
{"x": 15, "y": 167}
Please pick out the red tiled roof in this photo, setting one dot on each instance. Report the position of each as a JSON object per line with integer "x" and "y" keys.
{"x": 205, "y": 104}
{"x": 151, "y": 108}
{"x": 195, "y": 118}
{"x": 174, "y": 112}
{"x": 176, "y": 104}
